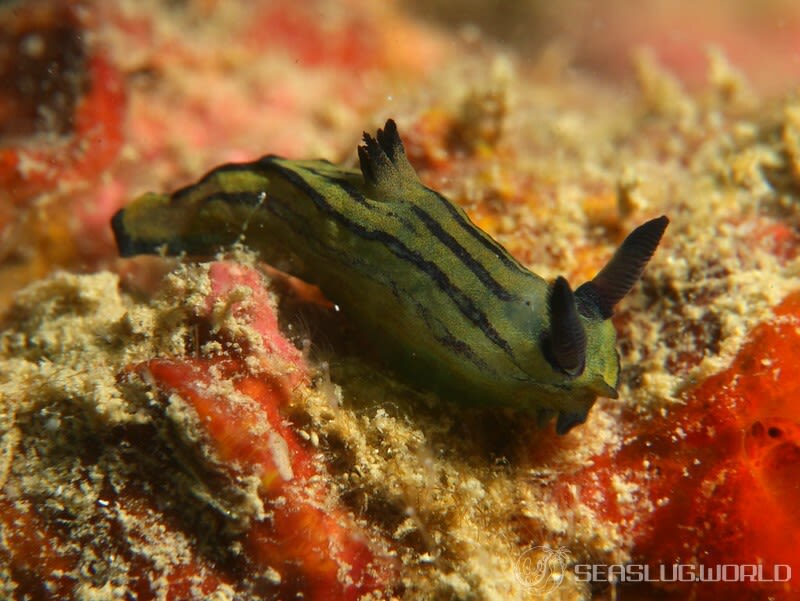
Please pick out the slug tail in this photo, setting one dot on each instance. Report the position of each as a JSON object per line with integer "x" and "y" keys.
{"x": 137, "y": 232}
{"x": 125, "y": 243}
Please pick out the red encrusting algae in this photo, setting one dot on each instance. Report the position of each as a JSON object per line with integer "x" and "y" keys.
{"x": 28, "y": 170}
{"x": 313, "y": 546}
{"x": 716, "y": 480}
{"x": 268, "y": 523}
{"x": 713, "y": 481}
{"x": 63, "y": 106}
{"x": 309, "y": 544}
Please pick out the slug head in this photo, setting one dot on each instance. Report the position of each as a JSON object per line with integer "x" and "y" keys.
{"x": 580, "y": 344}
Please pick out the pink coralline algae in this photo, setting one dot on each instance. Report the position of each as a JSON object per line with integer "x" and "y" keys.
{"x": 308, "y": 543}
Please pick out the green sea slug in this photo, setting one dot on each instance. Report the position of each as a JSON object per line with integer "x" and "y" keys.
{"x": 452, "y": 309}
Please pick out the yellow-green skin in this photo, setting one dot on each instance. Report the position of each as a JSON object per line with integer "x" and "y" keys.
{"x": 450, "y": 307}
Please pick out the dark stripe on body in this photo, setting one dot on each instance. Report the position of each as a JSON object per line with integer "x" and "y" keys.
{"x": 355, "y": 194}
{"x": 446, "y": 339}
{"x": 464, "y": 304}
{"x": 478, "y": 270}
{"x": 227, "y": 168}
{"x": 482, "y": 238}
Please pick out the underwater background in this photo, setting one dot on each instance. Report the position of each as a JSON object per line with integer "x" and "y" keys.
{"x": 209, "y": 428}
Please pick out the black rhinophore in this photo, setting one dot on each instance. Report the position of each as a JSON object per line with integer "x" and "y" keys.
{"x": 567, "y": 336}
{"x": 619, "y": 275}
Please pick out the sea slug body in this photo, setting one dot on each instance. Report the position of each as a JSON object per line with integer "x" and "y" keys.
{"x": 453, "y": 310}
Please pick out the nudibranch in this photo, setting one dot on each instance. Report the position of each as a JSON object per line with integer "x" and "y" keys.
{"x": 452, "y": 309}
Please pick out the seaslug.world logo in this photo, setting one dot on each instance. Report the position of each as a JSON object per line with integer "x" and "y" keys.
{"x": 543, "y": 569}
